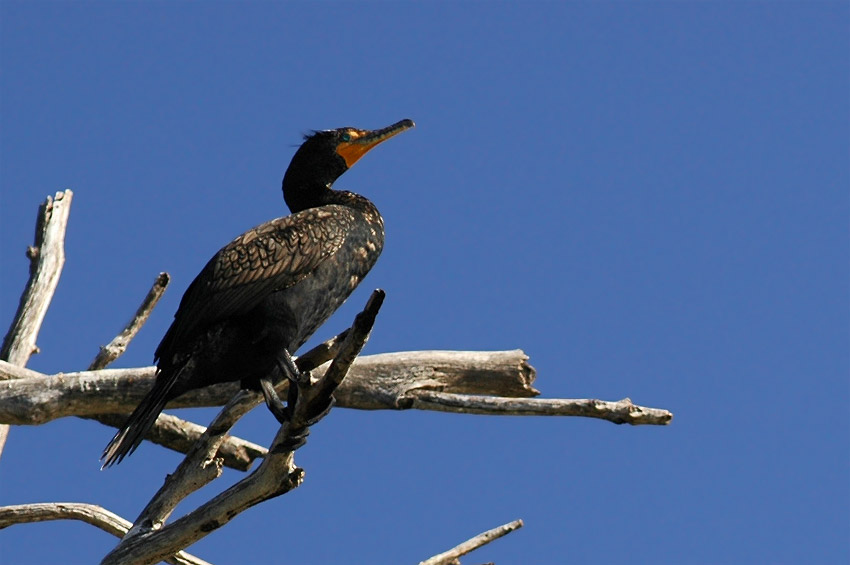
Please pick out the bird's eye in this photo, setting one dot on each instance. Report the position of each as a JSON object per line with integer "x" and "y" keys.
{"x": 346, "y": 137}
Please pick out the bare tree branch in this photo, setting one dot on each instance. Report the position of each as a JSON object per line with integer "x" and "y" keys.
{"x": 620, "y": 412}
{"x": 89, "y": 513}
{"x": 452, "y": 556}
{"x": 112, "y": 351}
{"x": 463, "y": 382}
{"x": 199, "y": 467}
{"x": 40, "y": 512}
{"x": 277, "y": 475}
{"x": 10, "y": 372}
{"x": 472, "y": 382}
{"x": 382, "y": 381}
{"x": 47, "y": 256}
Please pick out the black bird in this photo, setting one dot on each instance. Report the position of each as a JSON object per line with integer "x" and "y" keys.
{"x": 265, "y": 293}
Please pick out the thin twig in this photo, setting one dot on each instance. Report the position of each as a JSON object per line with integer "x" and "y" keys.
{"x": 116, "y": 347}
{"x": 47, "y": 256}
{"x": 452, "y": 555}
{"x": 88, "y": 513}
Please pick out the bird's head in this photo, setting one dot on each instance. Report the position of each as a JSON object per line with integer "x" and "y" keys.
{"x": 325, "y": 156}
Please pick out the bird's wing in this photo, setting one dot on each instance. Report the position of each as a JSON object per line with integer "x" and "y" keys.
{"x": 270, "y": 257}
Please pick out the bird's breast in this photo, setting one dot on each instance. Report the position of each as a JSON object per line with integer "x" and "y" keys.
{"x": 313, "y": 299}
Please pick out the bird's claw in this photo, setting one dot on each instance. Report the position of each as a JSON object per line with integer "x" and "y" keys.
{"x": 274, "y": 403}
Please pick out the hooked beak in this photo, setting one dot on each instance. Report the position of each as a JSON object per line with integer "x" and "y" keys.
{"x": 361, "y": 141}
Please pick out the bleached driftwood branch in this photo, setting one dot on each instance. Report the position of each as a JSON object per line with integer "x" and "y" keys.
{"x": 90, "y": 513}
{"x": 149, "y": 541}
{"x": 451, "y": 556}
{"x": 47, "y": 256}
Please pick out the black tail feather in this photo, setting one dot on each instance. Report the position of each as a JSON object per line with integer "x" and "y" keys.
{"x": 139, "y": 423}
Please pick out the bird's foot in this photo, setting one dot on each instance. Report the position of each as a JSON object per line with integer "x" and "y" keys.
{"x": 297, "y": 379}
{"x": 317, "y": 408}
{"x": 280, "y": 411}
{"x": 300, "y": 389}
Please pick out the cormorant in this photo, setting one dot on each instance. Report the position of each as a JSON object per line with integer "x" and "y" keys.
{"x": 265, "y": 293}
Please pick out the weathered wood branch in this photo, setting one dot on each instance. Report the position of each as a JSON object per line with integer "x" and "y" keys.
{"x": 375, "y": 382}
{"x": 44, "y": 511}
{"x": 88, "y": 513}
{"x": 465, "y": 382}
{"x": 277, "y": 475}
{"x": 115, "y": 348}
{"x": 453, "y": 555}
{"x": 476, "y": 382}
{"x": 47, "y": 256}
{"x": 620, "y": 412}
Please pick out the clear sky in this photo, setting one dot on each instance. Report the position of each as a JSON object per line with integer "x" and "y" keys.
{"x": 650, "y": 199}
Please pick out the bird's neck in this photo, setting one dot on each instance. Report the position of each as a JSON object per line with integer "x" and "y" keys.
{"x": 301, "y": 196}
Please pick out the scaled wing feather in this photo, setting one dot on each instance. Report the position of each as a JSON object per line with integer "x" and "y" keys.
{"x": 272, "y": 256}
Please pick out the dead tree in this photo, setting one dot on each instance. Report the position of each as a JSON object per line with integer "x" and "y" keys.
{"x": 496, "y": 382}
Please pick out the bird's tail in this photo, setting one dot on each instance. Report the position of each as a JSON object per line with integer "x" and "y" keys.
{"x": 140, "y": 421}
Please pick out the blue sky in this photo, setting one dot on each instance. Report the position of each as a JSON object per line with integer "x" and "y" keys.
{"x": 650, "y": 199}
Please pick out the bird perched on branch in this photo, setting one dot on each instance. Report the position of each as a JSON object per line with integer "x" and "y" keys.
{"x": 265, "y": 293}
